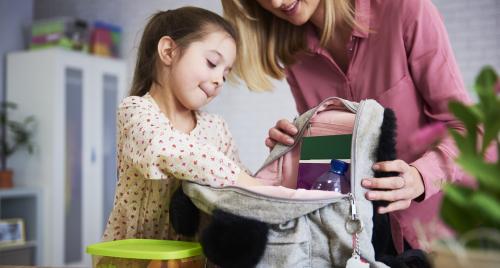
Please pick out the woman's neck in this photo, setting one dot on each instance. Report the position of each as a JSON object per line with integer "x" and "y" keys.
{"x": 337, "y": 45}
{"x": 318, "y": 18}
{"x": 181, "y": 118}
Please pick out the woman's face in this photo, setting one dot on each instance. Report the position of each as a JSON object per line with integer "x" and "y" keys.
{"x": 297, "y": 12}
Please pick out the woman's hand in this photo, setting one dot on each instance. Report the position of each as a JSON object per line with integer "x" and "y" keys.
{"x": 283, "y": 133}
{"x": 400, "y": 190}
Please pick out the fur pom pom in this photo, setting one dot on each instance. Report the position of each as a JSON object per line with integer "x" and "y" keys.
{"x": 184, "y": 215}
{"x": 234, "y": 241}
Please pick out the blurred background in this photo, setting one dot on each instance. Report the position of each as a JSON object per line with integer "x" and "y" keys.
{"x": 66, "y": 64}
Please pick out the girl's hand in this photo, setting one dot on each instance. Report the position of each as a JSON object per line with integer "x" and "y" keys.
{"x": 281, "y": 133}
{"x": 246, "y": 180}
{"x": 400, "y": 190}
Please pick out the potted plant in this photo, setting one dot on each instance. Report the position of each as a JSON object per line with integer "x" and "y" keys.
{"x": 14, "y": 136}
{"x": 473, "y": 213}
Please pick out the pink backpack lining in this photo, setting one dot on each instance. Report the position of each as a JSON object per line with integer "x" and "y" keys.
{"x": 332, "y": 118}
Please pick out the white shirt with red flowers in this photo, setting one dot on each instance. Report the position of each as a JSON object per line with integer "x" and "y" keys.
{"x": 153, "y": 156}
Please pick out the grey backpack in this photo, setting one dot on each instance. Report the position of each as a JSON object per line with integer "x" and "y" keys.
{"x": 276, "y": 226}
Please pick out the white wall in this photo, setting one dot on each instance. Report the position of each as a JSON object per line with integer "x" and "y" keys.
{"x": 472, "y": 25}
{"x": 14, "y": 15}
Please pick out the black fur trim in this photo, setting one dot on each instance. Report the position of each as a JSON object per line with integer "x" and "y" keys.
{"x": 386, "y": 150}
{"x": 234, "y": 241}
{"x": 184, "y": 215}
{"x": 412, "y": 258}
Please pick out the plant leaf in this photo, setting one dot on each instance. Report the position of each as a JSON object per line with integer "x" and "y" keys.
{"x": 466, "y": 146}
{"x": 456, "y": 210}
{"x": 486, "y": 81}
{"x": 489, "y": 206}
{"x": 491, "y": 125}
{"x": 485, "y": 173}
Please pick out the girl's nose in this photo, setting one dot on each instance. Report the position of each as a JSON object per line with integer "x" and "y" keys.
{"x": 218, "y": 80}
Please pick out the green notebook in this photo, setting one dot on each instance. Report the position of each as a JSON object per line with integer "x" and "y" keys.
{"x": 326, "y": 147}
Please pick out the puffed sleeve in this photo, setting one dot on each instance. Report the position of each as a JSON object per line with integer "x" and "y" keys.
{"x": 438, "y": 80}
{"x": 160, "y": 152}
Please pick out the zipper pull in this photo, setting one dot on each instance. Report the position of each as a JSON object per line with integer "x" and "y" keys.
{"x": 353, "y": 225}
{"x": 354, "y": 214}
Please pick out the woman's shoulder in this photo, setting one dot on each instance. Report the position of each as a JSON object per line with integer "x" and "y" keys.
{"x": 410, "y": 9}
{"x": 403, "y": 5}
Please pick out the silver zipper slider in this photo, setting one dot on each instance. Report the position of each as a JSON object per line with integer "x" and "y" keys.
{"x": 354, "y": 215}
{"x": 353, "y": 225}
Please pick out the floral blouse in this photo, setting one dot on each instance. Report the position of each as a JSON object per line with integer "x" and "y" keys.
{"x": 153, "y": 155}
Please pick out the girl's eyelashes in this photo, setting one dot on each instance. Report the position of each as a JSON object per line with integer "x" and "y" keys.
{"x": 211, "y": 64}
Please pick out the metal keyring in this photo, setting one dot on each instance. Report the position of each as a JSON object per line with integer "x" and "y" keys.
{"x": 353, "y": 226}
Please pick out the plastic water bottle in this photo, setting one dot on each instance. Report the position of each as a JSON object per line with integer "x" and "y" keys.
{"x": 334, "y": 179}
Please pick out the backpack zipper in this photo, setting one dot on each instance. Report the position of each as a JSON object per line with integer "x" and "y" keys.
{"x": 354, "y": 148}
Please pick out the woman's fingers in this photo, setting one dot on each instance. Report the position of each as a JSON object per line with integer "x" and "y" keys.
{"x": 395, "y": 166}
{"x": 393, "y": 195}
{"x": 281, "y": 133}
{"x": 270, "y": 143}
{"x": 399, "y": 190}
{"x": 390, "y": 183}
{"x": 278, "y": 135}
{"x": 287, "y": 127}
{"x": 394, "y": 206}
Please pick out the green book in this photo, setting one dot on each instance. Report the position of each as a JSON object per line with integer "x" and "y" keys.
{"x": 326, "y": 147}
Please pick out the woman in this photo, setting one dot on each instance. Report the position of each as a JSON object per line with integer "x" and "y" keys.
{"x": 396, "y": 52}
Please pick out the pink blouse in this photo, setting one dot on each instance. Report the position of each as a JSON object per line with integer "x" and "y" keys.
{"x": 405, "y": 62}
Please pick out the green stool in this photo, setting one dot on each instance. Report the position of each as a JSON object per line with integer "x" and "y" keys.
{"x": 147, "y": 253}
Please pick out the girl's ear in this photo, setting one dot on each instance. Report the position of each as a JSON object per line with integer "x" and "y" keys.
{"x": 166, "y": 49}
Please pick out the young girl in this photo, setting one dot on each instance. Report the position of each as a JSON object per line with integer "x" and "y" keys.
{"x": 183, "y": 59}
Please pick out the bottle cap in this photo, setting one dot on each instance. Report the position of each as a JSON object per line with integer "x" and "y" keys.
{"x": 338, "y": 166}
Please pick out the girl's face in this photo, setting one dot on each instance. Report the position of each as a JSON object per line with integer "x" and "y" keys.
{"x": 297, "y": 12}
{"x": 197, "y": 74}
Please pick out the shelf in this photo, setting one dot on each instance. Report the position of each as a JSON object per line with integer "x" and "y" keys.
{"x": 27, "y": 244}
{"x": 23, "y": 203}
{"x": 18, "y": 192}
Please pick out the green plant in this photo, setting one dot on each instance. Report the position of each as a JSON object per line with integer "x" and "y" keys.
{"x": 464, "y": 208}
{"x": 14, "y": 135}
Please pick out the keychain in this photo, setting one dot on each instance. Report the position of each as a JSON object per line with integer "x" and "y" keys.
{"x": 355, "y": 261}
{"x": 354, "y": 226}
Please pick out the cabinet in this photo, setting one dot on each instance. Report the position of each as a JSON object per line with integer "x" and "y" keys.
{"x": 24, "y": 203}
{"x": 74, "y": 97}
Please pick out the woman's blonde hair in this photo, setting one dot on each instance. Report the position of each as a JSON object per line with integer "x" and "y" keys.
{"x": 268, "y": 44}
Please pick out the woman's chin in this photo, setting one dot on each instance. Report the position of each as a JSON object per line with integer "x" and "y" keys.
{"x": 296, "y": 20}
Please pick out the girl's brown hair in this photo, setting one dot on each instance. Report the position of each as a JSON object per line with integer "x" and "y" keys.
{"x": 184, "y": 25}
{"x": 269, "y": 44}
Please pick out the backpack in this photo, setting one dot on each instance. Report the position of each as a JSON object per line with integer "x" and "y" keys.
{"x": 281, "y": 226}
